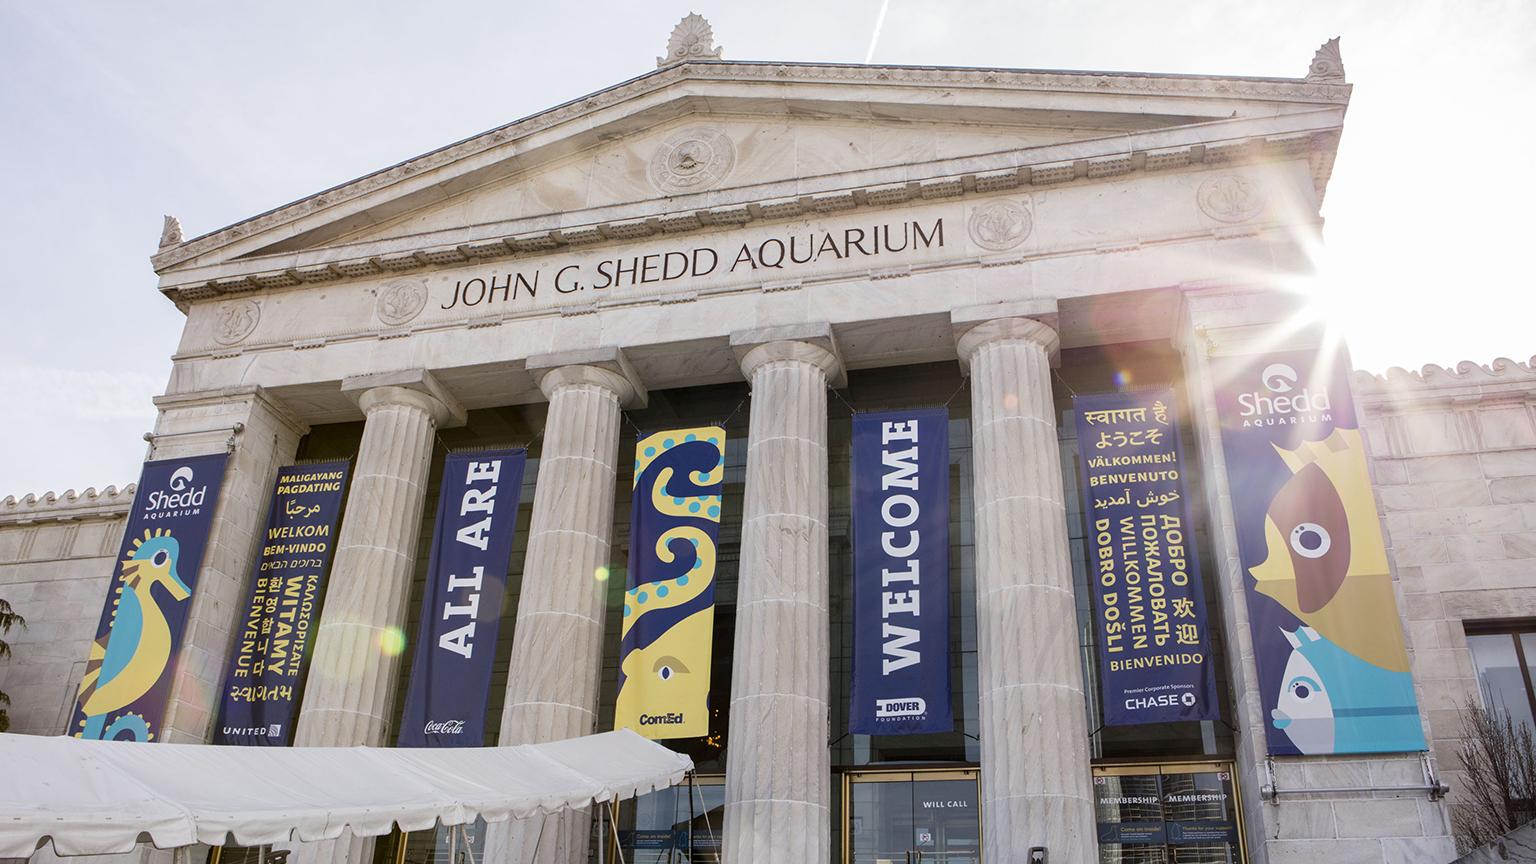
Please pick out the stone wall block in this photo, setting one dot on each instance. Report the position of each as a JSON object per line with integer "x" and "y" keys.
{"x": 1513, "y": 490}
{"x": 1387, "y": 817}
{"x": 1509, "y": 463}
{"x": 1429, "y": 469}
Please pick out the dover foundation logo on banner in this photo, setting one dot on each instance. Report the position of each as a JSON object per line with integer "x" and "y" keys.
{"x": 901, "y": 573}
{"x": 669, "y": 607}
{"x": 126, "y": 685}
{"x": 1327, "y": 637}
{"x": 461, "y": 607}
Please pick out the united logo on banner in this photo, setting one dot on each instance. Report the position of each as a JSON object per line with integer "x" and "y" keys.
{"x": 262, "y": 687}
{"x": 1154, "y": 651}
{"x": 127, "y": 681}
{"x": 901, "y": 573}
{"x": 1333, "y": 666}
{"x": 461, "y": 607}
{"x": 669, "y": 604}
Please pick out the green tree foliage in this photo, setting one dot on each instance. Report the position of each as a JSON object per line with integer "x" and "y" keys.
{"x": 8, "y": 619}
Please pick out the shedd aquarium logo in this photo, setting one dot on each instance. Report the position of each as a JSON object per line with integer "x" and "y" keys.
{"x": 1283, "y": 404}
{"x": 181, "y": 499}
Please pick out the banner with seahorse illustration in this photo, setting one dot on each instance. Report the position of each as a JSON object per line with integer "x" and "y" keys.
{"x": 669, "y": 604}
{"x": 1328, "y": 639}
{"x": 282, "y": 607}
{"x": 129, "y": 670}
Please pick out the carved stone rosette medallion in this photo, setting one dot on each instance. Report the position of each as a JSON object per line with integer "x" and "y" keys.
{"x": 236, "y": 321}
{"x": 400, "y": 301}
{"x": 692, "y": 160}
{"x": 1230, "y": 198}
{"x": 999, "y": 225}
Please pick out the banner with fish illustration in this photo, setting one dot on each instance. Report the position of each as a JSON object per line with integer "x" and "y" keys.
{"x": 1327, "y": 637}
{"x": 901, "y": 573}
{"x": 461, "y": 607}
{"x": 669, "y": 604}
{"x": 1154, "y": 649}
{"x": 128, "y": 672}
{"x": 261, "y": 689}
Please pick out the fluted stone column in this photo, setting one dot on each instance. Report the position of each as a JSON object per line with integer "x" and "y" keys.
{"x": 557, "y": 648}
{"x": 778, "y": 775}
{"x": 359, "y": 643}
{"x": 1035, "y": 784}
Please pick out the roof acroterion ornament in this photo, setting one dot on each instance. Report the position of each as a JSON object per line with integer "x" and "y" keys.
{"x": 692, "y": 39}
{"x": 1327, "y": 64}
{"x": 170, "y": 233}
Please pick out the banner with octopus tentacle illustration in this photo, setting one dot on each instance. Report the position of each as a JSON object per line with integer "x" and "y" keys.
{"x": 129, "y": 671}
{"x": 669, "y": 601}
{"x": 1328, "y": 640}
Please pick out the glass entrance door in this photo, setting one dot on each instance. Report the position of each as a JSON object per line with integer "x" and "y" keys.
{"x": 912, "y": 817}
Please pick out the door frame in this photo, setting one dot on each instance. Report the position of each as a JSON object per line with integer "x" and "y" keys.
{"x": 1175, "y": 766}
{"x": 905, "y": 775}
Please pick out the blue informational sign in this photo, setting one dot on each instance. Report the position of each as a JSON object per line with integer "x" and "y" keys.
{"x": 461, "y": 608}
{"x": 129, "y": 669}
{"x": 901, "y": 573}
{"x": 1154, "y": 649}
{"x": 1322, "y": 609}
{"x": 282, "y": 607}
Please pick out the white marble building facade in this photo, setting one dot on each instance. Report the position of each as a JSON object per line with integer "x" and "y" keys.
{"x": 786, "y": 229}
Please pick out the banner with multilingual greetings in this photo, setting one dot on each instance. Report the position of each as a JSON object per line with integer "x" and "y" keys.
{"x": 669, "y": 604}
{"x": 261, "y": 689}
{"x": 461, "y": 607}
{"x": 1155, "y": 661}
{"x": 128, "y": 672}
{"x": 1327, "y": 637}
{"x": 901, "y": 573}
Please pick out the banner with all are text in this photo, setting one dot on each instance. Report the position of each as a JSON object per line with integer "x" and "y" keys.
{"x": 129, "y": 670}
{"x": 461, "y": 607}
{"x": 901, "y": 573}
{"x": 267, "y": 668}
{"x": 1154, "y": 650}
{"x": 669, "y": 604}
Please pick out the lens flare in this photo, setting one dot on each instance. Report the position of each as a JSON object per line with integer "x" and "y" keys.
{"x": 392, "y": 641}
{"x": 1122, "y": 379}
{"x": 600, "y": 574}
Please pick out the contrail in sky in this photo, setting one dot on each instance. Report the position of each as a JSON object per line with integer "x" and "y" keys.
{"x": 874, "y": 38}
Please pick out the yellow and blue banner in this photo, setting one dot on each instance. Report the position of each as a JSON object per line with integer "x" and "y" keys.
{"x": 129, "y": 670}
{"x": 445, "y": 701}
{"x": 282, "y": 607}
{"x": 1149, "y": 610}
{"x": 669, "y": 604}
{"x": 901, "y": 675}
{"x": 1327, "y": 638}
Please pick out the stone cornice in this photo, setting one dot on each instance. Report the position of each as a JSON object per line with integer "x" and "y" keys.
{"x": 1501, "y": 380}
{"x": 1135, "y": 84}
{"x": 1316, "y": 146}
{"x": 109, "y": 503}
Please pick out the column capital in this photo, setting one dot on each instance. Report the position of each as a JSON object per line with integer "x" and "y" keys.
{"x": 417, "y": 388}
{"x": 811, "y": 343}
{"x": 603, "y": 367}
{"x": 1227, "y": 319}
{"x": 1030, "y": 321}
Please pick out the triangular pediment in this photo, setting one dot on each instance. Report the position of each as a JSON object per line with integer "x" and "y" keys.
{"x": 700, "y": 144}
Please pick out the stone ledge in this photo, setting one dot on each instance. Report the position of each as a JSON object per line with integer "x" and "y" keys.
{"x": 108, "y": 503}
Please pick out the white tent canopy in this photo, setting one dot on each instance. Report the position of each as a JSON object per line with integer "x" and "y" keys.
{"x": 94, "y": 797}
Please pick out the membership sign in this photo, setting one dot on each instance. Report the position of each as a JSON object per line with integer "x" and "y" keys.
{"x": 1327, "y": 638}
{"x": 901, "y": 573}
{"x": 261, "y": 689}
{"x": 1154, "y": 648}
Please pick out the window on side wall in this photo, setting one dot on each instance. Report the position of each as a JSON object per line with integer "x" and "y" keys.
{"x": 1503, "y": 657}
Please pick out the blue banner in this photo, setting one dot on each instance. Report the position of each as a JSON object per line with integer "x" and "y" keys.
{"x": 669, "y": 605}
{"x": 901, "y": 573}
{"x": 267, "y": 668}
{"x": 128, "y": 672}
{"x": 1327, "y": 637}
{"x": 1154, "y": 651}
{"x": 461, "y": 607}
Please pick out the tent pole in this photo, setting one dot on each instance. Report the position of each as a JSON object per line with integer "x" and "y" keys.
{"x": 602, "y": 837}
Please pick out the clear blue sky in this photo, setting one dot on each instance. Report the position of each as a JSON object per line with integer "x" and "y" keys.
{"x": 114, "y": 113}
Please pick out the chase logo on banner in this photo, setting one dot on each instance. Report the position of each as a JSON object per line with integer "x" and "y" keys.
{"x": 901, "y": 573}
{"x": 669, "y": 607}
{"x": 262, "y": 687}
{"x": 1327, "y": 638}
{"x": 126, "y": 685}
{"x": 461, "y": 607}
